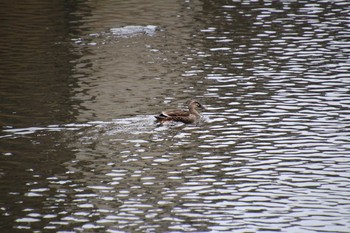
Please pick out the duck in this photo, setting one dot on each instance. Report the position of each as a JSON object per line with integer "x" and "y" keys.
{"x": 179, "y": 115}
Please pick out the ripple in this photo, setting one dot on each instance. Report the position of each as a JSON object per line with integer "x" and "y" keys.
{"x": 134, "y": 30}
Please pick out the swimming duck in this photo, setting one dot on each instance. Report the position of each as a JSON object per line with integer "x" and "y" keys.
{"x": 179, "y": 115}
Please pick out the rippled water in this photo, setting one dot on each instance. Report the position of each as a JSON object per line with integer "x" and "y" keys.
{"x": 79, "y": 86}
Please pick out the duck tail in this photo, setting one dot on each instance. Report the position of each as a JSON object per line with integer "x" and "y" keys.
{"x": 160, "y": 117}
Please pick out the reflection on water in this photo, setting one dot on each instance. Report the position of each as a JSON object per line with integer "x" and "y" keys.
{"x": 80, "y": 150}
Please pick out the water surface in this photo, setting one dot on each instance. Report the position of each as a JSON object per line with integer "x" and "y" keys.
{"x": 79, "y": 148}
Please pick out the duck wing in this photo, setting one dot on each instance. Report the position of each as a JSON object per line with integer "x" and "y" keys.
{"x": 175, "y": 112}
{"x": 183, "y": 119}
{"x": 173, "y": 115}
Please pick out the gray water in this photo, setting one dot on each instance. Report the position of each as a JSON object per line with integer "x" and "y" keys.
{"x": 80, "y": 82}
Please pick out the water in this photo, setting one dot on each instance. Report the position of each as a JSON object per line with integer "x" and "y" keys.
{"x": 79, "y": 85}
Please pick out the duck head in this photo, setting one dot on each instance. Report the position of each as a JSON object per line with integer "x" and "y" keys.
{"x": 195, "y": 104}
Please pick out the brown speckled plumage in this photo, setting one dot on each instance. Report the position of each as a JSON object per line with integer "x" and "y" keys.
{"x": 179, "y": 115}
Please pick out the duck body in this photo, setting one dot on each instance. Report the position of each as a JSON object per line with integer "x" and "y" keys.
{"x": 179, "y": 115}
